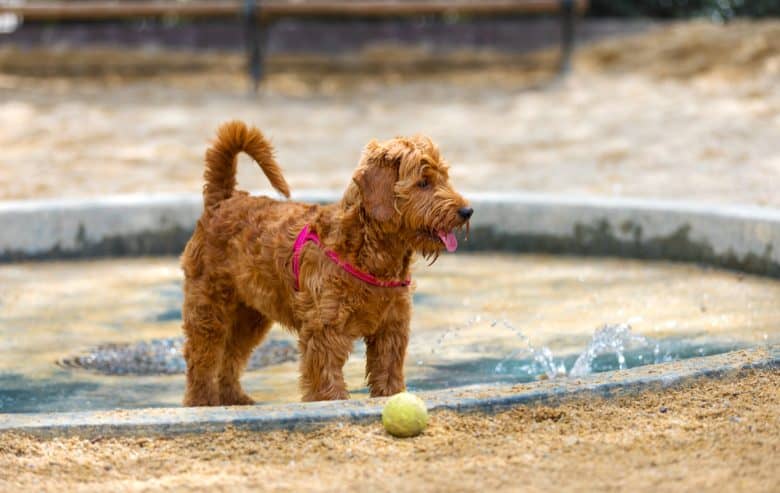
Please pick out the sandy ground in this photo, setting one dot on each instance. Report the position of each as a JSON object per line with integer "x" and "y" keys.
{"x": 718, "y": 435}
{"x": 687, "y": 111}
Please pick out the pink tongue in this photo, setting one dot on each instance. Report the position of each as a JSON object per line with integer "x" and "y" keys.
{"x": 449, "y": 240}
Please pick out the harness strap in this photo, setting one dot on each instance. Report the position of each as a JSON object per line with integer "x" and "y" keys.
{"x": 306, "y": 235}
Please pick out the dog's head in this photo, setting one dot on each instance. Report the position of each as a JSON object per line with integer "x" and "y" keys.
{"x": 404, "y": 188}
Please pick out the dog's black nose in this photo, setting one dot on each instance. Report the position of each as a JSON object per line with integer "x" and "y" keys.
{"x": 465, "y": 212}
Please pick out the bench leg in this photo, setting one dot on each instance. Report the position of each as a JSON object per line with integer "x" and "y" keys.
{"x": 255, "y": 42}
{"x": 567, "y": 35}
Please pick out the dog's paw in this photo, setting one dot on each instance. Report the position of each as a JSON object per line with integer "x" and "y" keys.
{"x": 236, "y": 399}
{"x": 200, "y": 401}
{"x": 332, "y": 395}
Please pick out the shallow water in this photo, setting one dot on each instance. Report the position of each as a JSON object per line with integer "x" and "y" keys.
{"x": 477, "y": 319}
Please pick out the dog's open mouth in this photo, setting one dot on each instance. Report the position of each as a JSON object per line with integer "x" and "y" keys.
{"x": 449, "y": 240}
{"x": 446, "y": 236}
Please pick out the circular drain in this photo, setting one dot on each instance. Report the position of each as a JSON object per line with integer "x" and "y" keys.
{"x": 164, "y": 357}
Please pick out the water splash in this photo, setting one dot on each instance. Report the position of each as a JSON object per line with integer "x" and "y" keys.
{"x": 525, "y": 348}
{"x": 609, "y": 339}
{"x": 543, "y": 359}
{"x": 611, "y": 347}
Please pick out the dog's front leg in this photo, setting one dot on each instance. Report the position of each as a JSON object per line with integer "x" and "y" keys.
{"x": 323, "y": 354}
{"x": 385, "y": 355}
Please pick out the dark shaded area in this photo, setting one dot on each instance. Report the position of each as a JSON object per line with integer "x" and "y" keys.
{"x": 20, "y": 394}
{"x": 323, "y": 36}
{"x": 669, "y": 9}
{"x": 168, "y": 315}
{"x": 23, "y": 394}
{"x": 600, "y": 239}
{"x": 169, "y": 241}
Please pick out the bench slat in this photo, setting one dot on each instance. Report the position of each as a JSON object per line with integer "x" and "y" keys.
{"x": 274, "y": 9}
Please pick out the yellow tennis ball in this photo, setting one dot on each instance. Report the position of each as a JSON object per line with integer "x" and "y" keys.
{"x": 405, "y": 415}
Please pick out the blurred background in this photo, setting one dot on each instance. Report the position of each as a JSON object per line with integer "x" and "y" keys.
{"x": 672, "y": 99}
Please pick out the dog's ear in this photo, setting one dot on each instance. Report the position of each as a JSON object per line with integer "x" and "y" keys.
{"x": 376, "y": 177}
{"x": 376, "y": 183}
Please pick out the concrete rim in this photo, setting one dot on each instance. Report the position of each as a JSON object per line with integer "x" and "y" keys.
{"x": 743, "y": 238}
{"x": 299, "y": 416}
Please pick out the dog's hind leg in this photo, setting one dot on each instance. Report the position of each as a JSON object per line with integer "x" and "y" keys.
{"x": 203, "y": 350}
{"x": 249, "y": 329}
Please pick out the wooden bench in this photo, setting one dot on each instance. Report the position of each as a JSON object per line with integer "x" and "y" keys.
{"x": 259, "y": 15}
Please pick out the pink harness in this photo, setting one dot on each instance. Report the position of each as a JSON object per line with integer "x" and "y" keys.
{"x": 306, "y": 235}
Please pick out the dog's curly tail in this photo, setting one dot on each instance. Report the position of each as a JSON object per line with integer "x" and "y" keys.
{"x": 220, "y": 175}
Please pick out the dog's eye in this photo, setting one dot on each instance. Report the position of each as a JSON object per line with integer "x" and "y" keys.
{"x": 424, "y": 183}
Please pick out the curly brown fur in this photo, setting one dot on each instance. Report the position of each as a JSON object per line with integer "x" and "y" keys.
{"x": 238, "y": 275}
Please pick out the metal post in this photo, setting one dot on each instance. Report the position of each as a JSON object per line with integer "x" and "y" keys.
{"x": 254, "y": 42}
{"x": 567, "y": 35}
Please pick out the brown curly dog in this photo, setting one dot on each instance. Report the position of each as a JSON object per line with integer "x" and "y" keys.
{"x": 330, "y": 273}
